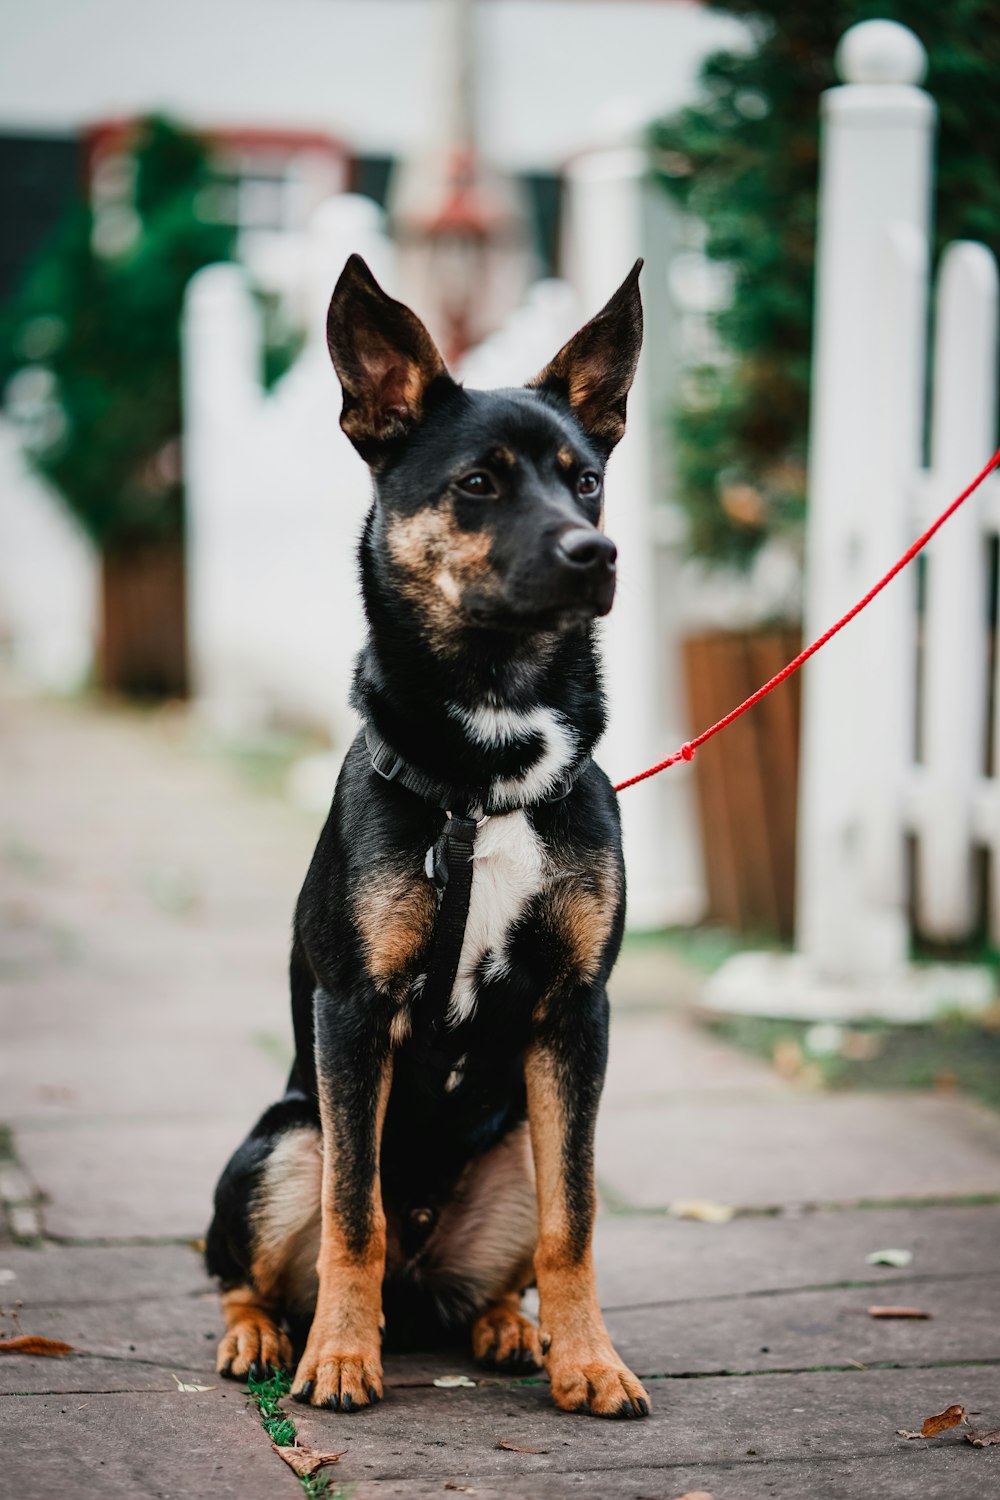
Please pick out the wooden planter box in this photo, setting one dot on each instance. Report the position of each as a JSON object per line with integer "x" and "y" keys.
{"x": 747, "y": 777}
{"x": 143, "y": 650}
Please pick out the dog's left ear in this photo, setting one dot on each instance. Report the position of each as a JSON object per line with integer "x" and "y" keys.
{"x": 594, "y": 371}
{"x": 385, "y": 359}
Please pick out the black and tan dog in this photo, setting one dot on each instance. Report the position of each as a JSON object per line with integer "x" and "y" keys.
{"x": 430, "y": 1161}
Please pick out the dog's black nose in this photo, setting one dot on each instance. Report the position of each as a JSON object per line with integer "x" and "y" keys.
{"x": 587, "y": 550}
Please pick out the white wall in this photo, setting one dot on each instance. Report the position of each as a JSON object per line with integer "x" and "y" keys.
{"x": 361, "y": 69}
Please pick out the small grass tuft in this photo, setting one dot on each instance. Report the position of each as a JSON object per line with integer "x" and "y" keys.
{"x": 267, "y": 1396}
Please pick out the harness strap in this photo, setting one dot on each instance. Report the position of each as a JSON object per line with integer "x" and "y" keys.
{"x": 449, "y": 865}
{"x": 451, "y": 869}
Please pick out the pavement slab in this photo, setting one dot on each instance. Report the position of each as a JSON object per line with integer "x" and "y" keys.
{"x": 797, "y": 1148}
{"x": 139, "y": 1446}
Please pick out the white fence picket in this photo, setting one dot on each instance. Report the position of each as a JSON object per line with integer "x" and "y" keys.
{"x": 887, "y": 690}
{"x": 954, "y": 706}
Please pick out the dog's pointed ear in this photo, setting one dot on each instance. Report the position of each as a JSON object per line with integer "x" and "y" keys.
{"x": 385, "y": 359}
{"x": 594, "y": 371}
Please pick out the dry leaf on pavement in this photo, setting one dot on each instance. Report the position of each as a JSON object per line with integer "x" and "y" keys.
{"x": 695, "y": 1495}
{"x": 896, "y": 1258}
{"x": 952, "y": 1416}
{"x": 983, "y": 1439}
{"x": 703, "y": 1210}
{"x": 29, "y": 1343}
{"x": 897, "y": 1312}
{"x": 513, "y": 1448}
{"x": 305, "y": 1461}
{"x": 455, "y": 1382}
{"x": 463, "y": 1489}
{"x": 183, "y": 1386}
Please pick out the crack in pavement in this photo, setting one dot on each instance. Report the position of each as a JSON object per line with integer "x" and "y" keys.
{"x": 499, "y": 1383}
{"x": 927, "y": 1278}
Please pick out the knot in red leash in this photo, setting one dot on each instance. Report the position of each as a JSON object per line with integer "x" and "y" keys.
{"x": 687, "y": 751}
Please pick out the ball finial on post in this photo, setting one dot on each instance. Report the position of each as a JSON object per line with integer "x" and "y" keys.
{"x": 881, "y": 52}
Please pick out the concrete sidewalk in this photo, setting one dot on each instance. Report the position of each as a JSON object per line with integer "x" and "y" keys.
{"x": 145, "y": 899}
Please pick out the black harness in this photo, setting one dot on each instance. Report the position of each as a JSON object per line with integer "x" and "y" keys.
{"x": 449, "y": 860}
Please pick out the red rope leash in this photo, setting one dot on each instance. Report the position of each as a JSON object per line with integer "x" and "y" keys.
{"x": 686, "y": 752}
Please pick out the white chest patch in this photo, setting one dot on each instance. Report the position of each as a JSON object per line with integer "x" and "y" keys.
{"x": 508, "y": 870}
{"x": 503, "y": 726}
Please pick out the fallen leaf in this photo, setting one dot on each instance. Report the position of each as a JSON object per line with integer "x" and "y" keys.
{"x": 856, "y": 1364}
{"x": 695, "y": 1495}
{"x": 889, "y": 1258}
{"x": 28, "y": 1343}
{"x": 455, "y": 1382}
{"x": 902, "y": 1432}
{"x": 897, "y": 1312}
{"x": 983, "y": 1439}
{"x": 703, "y": 1210}
{"x": 513, "y": 1448}
{"x": 305, "y": 1461}
{"x": 181, "y": 1386}
{"x": 464, "y": 1489}
{"x": 952, "y": 1416}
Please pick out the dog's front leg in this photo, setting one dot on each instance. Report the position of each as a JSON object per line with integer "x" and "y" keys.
{"x": 564, "y": 1070}
{"x": 342, "y": 1364}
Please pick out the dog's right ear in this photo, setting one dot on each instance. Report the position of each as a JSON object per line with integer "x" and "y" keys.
{"x": 385, "y": 360}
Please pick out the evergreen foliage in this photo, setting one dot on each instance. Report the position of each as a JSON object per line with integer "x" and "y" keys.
{"x": 745, "y": 161}
{"x": 93, "y": 340}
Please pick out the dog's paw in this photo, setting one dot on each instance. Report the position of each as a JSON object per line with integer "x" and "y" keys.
{"x": 338, "y": 1381}
{"x": 503, "y": 1339}
{"x": 604, "y": 1388}
{"x": 254, "y": 1346}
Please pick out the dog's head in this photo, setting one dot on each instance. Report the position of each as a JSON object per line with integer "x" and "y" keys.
{"x": 489, "y": 504}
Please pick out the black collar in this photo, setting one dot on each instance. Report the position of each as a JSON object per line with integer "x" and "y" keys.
{"x": 391, "y": 766}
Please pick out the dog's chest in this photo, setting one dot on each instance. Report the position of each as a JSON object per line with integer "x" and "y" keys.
{"x": 508, "y": 872}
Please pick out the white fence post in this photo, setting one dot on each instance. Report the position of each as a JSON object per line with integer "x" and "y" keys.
{"x": 963, "y": 435}
{"x": 876, "y": 168}
{"x": 615, "y": 213}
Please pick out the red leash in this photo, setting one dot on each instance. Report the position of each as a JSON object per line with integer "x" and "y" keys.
{"x": 686, "y": 752}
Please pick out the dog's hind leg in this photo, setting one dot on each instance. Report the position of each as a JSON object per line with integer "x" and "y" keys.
{"x": 264, "y": 1238}
{"x": 478, "y": 1260}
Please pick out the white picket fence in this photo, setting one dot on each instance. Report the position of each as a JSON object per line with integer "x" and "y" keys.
{"x": 900, "y": 795}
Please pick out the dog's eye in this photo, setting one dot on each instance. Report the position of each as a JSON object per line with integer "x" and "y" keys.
{"x": 478, "y": 485}
{"x": 588, "y": 483}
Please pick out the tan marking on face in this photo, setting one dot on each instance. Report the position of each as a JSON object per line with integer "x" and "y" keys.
{"x": 565, "y": 459}
{"x": 395, "y": 915}
{"x": 448, "y": 585}
{"x": 436, "y": 562}
{"x": 503, "y": 457}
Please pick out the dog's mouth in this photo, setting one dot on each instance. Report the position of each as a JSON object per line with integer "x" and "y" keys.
{"x": 553, "y": 615}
